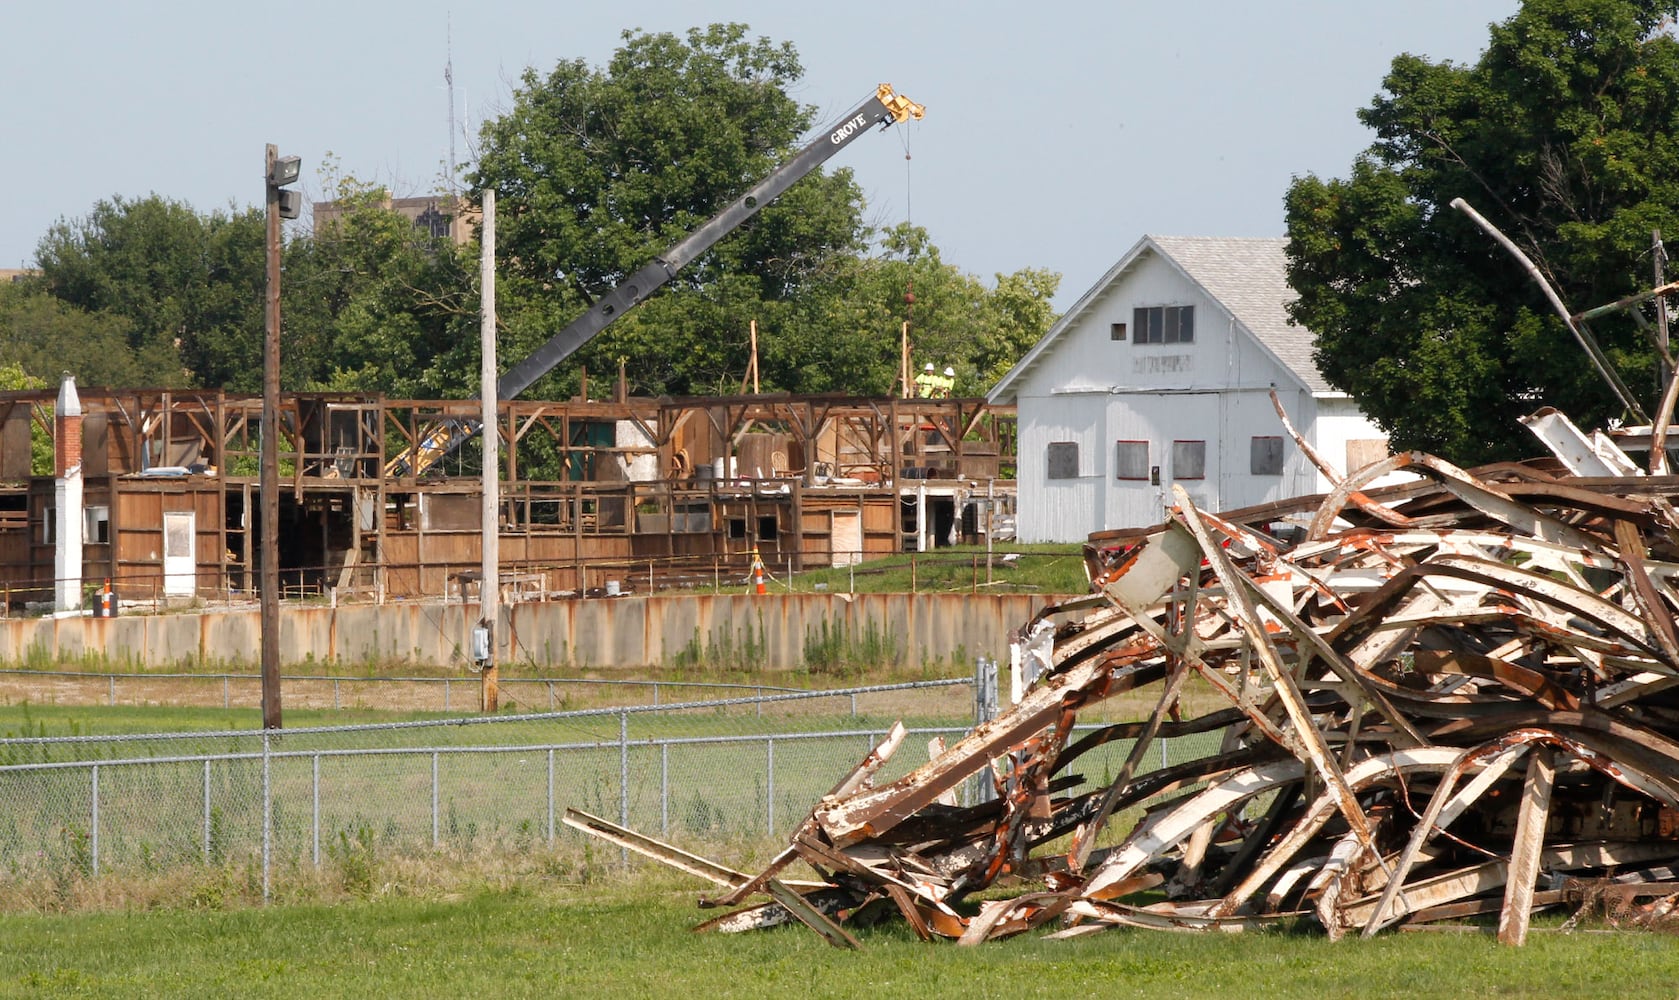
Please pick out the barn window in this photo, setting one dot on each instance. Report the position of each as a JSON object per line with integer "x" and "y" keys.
{"x": 1063, "y": 460}
{"x": 98, "y": 524}
{"x": 1116, "y": 331}
{"x": 1130, "y": 459}
{"x": 1189, "y": 459}
{"x": 1164, "y": 324}
{"x": 1265, "y": 456}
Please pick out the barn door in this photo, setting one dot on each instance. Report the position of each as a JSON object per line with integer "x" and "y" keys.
{"x": 180, "y": 564}
{"x": 847, "y": 538}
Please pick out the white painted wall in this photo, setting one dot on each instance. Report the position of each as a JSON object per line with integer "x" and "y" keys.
{"x": 1095, "y": 391}
{"x": 1339, "y": 422}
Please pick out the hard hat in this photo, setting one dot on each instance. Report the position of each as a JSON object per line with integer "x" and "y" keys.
{"x": 929, "y": 367}
{"x": 949, "y": 371}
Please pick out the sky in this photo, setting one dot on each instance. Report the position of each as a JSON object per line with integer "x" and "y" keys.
{"x": 1057, "y": 133}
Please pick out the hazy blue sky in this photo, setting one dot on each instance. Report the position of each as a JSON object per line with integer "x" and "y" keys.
{"x": 1056, "y": 133}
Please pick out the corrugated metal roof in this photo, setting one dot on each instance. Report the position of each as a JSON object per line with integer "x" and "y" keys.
{"x": 1247, "y": 275}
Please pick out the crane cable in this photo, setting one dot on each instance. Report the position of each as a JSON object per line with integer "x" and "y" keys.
{"x": 909, "y": 284}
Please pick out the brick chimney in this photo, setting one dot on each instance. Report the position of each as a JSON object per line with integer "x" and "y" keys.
{"x": 67, "y": 429}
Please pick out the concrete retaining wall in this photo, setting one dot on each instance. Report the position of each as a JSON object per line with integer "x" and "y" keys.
{"x": 628, "y": 632}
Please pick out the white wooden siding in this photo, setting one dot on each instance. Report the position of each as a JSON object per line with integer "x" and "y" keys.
{"x": 1048, "y": 506}
{"x": 1096, "y": 391}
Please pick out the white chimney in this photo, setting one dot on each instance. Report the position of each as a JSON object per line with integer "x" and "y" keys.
{"x": 67, "y": 497}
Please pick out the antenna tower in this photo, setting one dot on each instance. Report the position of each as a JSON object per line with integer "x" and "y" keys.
{"x": 449, "y": 78}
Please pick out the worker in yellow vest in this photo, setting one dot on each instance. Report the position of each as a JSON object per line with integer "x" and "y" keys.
{"x": 926, "y": 381}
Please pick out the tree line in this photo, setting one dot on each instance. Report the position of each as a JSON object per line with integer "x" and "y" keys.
{"x": 1560, "y": 132}
{"x": 597, "y": 170}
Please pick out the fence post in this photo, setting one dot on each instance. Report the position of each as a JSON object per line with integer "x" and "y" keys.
{"x": 769, "y": 785}
{"x": 435, "y": 840}
{"x": 624, "y": 778}
{"x": 94, "y": 829}
{"x": 985, "y": 709}
{"x": 550, "y": 697}
{"x": 227, "y": 700}
{"x": 206, "y": 810}
{"x": 445, "y": 694}
{"x": 111, "y": 699}
{"x": 550, "y": 785}
{"x": 315, "y": 808}
{"x": 267, "y": 817}
{"x": 985, "y": 690}
{"x": 664, "y": 789}
{"x": 335, "y": 693}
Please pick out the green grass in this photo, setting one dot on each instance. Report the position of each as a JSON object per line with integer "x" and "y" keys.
{"x": 26, "y": 719}
{"x": 1042, "y": 568}
{"x": 634, "y": 939}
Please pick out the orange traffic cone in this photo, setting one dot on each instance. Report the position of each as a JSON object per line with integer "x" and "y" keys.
{"x": 757, "y": 573}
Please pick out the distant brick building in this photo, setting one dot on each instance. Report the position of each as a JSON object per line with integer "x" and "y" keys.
{"x": 433, "y": 214}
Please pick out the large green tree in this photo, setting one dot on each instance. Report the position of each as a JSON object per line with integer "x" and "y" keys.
{"x": 598, "y": 170}
{"x": 1561, "y": 133}
{"x": 42, "y": 336}
{"x": 375, "y": 303}
{"x": 954, "y": 320}
{"x": 188, "y": 285}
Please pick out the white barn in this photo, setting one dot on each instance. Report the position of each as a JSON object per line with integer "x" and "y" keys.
{"x": 1161, "y": 373}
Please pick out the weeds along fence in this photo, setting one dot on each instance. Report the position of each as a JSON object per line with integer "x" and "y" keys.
{"x": 703, "y": 773}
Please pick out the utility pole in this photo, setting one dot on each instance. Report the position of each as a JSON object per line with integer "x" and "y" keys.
{"x": 489, "y": 584}
{"x": 277, "y": 171}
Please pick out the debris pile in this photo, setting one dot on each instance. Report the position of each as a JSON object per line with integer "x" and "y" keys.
{"x": 1446, "y": 699}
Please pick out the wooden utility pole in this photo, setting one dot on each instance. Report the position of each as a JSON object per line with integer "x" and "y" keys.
{"x": 751, "y": 376}
{"x": 903, "y": 362}
{"x": 489, "y": 584}
{"x": 1666, "y": 383}
{"x": 269, "y": 474}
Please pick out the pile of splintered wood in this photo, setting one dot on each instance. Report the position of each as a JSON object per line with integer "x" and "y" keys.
{"x": 1442, "y": 700}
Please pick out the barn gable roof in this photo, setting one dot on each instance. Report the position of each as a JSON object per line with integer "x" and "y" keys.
{"x": 1246, "y": 275}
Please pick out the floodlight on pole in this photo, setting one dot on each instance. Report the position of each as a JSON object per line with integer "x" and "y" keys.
{"x": 285, "y": 170}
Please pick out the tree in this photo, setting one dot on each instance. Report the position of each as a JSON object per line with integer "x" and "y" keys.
{"x": 375, "y": 303}
{"x": 597, "y": 171}
{"x": 41, "y": 336}
{"x": 955, "y": 321}
{"x": 1560, "y": 133}
{"x": 188, "y": 286}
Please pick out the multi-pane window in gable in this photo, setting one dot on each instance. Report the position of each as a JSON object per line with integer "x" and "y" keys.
{"x": 1063, "y": 460}
{"x": 1163, "y": 324}
{"x": 1130, "y": 459}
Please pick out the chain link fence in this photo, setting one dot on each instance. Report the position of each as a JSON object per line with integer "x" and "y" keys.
{"x": 703, "y": 772}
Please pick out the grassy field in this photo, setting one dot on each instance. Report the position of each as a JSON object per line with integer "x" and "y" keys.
{"x": 1045, "y": 568}
{"x": 634, "y": 939}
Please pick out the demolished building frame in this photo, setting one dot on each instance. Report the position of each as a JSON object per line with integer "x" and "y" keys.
{"x": 592, "y": 489}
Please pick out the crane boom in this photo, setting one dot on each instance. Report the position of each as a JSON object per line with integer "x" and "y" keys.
{"x": 884, "y": 107}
